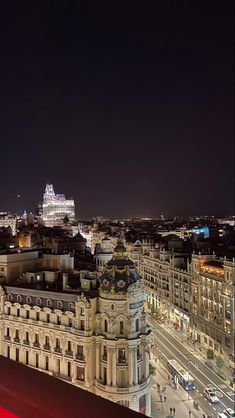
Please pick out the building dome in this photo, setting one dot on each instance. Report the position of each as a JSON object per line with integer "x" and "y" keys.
{"x": 120, "y": 272}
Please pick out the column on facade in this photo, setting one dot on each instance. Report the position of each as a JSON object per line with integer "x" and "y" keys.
{"x": 146, "y": 362}
{"x": 135, "y": 368}
{"x": 130, "y": 366}
{"x": 109, "y": 366}
{"x": 97, "y": 357}
{"x": 114, "y": 367}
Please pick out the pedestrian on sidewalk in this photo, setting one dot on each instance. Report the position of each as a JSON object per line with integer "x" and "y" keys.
{"x": 164, "y": 398}
{"x": 189, "y": 414}
{"x": 173, "y": 410}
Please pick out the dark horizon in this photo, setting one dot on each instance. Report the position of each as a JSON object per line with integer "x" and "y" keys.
{"x": 127, "y": 107}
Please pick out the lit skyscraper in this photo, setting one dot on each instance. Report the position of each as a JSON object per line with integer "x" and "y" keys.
{"x": 55, "y": 207}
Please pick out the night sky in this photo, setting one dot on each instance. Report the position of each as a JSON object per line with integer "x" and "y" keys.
{"x": 125, "y": 105}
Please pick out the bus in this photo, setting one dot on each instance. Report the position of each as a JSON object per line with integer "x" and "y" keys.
{"x": 181, "y": 375}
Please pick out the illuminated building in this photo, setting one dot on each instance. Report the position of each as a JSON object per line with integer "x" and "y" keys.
{"x": 103, "y": 253}
{"x": 8, "y": 220}
{"x": 94, "y": 337}
{"x": 55, "y": 207}
{"x": 213, "y": 304}
{"x": 198, "y": 295}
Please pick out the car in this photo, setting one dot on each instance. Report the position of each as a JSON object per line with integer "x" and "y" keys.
{"x": 229, "y": 412}
{"x": 210, "y": 395}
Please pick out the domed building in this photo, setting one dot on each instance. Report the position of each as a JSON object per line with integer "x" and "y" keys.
{"x": 93, "y": 336}
{"x": 122, "y": 358}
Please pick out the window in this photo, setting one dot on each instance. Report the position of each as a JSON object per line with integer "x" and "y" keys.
{"x": 121, "y": 355}
{"x": 81, "y": 374}
{"x": 60, "y": 304}
{"x": 27, "y": 314}
{"x": 137, "y": 325}
{"x": 69, "y": 347}
{"x": 47, "y": 363}
{"x": 57, "y": 344}
{"x": 27, "y": 357}
{"x": 49, "y": 303}
{"x": 10, "y": 297}
{"x": 105, "y": 325}
{"x": 121, "y": 327}
{"x": 69, "y": 369}
{"x": 142, "y": 404}
{"x": 8, "y": 352}
{"x": 80, "y": 355}
{"x": 36, "y": 360}
{"x": 82, "y": 311}
{"x": 17, "y": 354}
{"x": 82, "y": 326}
{"x": 38, "y": 301}
{"x": 8, "y": 332}
{"x": 17, "y": 312}
{"x": 105, "y": 353}
{"x": 19, "y": 299}
{"x": 28, "y": 299}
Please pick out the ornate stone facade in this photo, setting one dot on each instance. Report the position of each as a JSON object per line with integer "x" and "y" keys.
{"x": 94, "y": 339}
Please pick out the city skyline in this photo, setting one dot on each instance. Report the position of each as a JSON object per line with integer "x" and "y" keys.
{"x": 126, "y": 107}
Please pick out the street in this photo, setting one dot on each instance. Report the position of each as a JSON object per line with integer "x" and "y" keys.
{"x": 167, "y": 347}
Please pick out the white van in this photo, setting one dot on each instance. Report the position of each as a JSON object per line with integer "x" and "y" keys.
{"x": 222, "y": 415}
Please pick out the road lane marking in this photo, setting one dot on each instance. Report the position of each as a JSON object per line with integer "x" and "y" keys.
{"x": 176, "y": 339}
{"x": 226, "y": 406}
{"x": 156, "y": 330}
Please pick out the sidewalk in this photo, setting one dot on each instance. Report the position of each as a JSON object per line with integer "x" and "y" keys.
{"x": 195, "y": 349}
{"x": 175, "y": 398}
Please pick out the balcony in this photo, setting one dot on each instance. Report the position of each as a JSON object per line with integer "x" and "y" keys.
{"x": 16, "y": 340}
{"x": 26, "y": 342}
{"x": 47, "y": 347}
{"x": 80, "y": 357}
{"x": 121, "y": 361}
{"x": 57, "y": 350}
{"x": 36, "y": 344}
{"x": 62, "y": 376}
{"x": 7, "y": 337}
{"x": 69, "y": 353}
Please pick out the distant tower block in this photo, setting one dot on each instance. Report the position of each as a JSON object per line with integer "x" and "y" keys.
{"x": 55, "y": 207}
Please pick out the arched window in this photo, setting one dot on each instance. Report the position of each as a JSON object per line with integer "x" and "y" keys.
{"x": 28, "y": 299}
{"x": 38, "y": 301}
{"x": 10, "y": 297}
{"x": 19, "y": 298}
{"x": 121, "y": 324}
{"x": 71, "y": 306}
{"x": 49, "y": 303}
{"x": 60, "y": 304}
